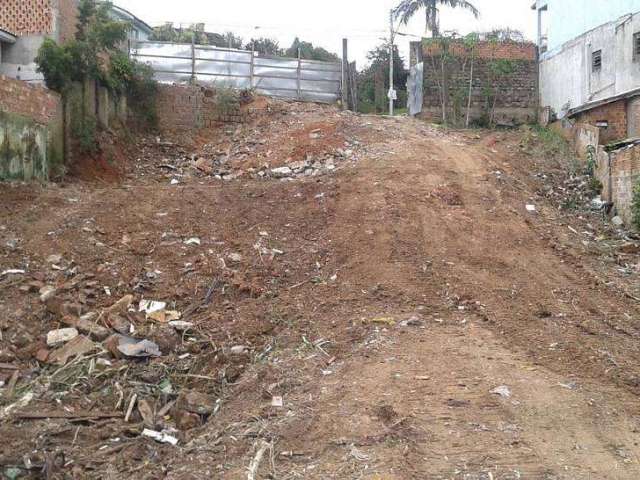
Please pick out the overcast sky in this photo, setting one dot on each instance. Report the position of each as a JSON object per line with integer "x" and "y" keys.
{"x": 326, "y": 22}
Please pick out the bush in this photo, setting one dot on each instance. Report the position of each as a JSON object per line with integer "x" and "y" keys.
{"x": 635, "y": 206}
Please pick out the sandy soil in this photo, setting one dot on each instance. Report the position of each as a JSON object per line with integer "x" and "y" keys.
{"x": 403, "y": 317}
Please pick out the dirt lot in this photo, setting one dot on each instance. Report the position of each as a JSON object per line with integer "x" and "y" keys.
{"x": 361, "y": 298}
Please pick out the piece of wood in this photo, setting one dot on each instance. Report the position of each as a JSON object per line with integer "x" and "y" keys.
{"x": 66, "y": 415}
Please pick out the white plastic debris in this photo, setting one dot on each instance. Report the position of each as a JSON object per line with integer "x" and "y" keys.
{"x": 12, "y": 271}
{"x": 531, "y": 208}
{"x": 192, "y": 241}
{"x": 277, "y": 402}
{"x": 175, "y": 181}
{"x": 151, "y": 306}
{"x": 163, "y": 437}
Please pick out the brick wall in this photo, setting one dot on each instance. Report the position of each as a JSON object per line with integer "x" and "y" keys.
{"x": 625, "y": 173}
{"x": 614, "y": 113}
{"x": 27, "y": 17}
{"x": 516, "y": 100}
{"x": 31, "y": 131}
{"x": 36, "y": 103}
{"x": 189, "y": 107}
{"x": 66, "y": 19}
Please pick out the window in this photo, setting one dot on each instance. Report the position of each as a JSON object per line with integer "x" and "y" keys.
{"x": 636, "y": 47}
{"x": 596, "y": 61}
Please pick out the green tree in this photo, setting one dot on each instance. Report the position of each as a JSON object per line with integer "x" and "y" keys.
{"x": 406, "y": 9}
{"x": 264, "y": 46}
{"x": 379, "y": 67}
{"x": 309, "y": 52}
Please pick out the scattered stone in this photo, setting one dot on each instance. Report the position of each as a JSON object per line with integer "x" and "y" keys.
{"x": 121, "y": 306}
{"x": 181, "y": 326}
{"x": 131, "y": 347}
{"x": 196, "y": 402}
{"x": 163, "y": 437}
{"x": 502, "y": 390}
{"x": 63, "y": 335}
{"x": 54, "y": 259}
{"x": 47, "y": 292}
{"x": 80, "y": 345}
{"x": 239, "y": 350}
{"x": 235, "y": 257}
{"x": 617, "y": 221}
{"x": 281, "y": 172}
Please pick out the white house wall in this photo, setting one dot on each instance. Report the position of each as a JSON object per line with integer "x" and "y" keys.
{"x": 566, "y": 77}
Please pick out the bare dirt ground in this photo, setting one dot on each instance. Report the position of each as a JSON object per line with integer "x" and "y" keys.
{"x": 388, "y": 309}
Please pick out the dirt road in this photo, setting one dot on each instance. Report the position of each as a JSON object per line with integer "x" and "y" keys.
{"x": 399, "y": 314}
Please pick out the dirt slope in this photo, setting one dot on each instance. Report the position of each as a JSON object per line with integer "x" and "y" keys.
{"x": 416, "y": 320}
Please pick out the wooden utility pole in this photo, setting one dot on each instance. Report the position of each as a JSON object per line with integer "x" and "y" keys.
{"x": 391, "y": 40}
{"x": 345, "y": 67}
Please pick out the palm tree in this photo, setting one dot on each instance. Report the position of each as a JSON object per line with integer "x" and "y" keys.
{"x": 406, "y": 9}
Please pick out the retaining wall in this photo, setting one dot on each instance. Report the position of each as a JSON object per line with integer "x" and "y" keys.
{"x": 31, "y": 131}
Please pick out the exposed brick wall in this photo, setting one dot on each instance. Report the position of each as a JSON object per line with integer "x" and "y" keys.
{"x": 625, "y": 173}
{"x": 191, "y": 107}
{"x": 27, "y": 17}
{"x": 67, "y": 19}
{"x": 615, "y": 113}
{"x": 34, "y": 102}
{"x": 516, "y": 100}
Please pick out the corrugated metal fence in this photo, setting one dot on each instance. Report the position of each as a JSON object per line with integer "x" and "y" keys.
{"x": 274, "y": 76}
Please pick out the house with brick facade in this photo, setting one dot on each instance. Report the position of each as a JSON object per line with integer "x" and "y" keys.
{"x": 590, "y": 64}
{"x": 24, "y": 24}
{"x": 29, "y": 22}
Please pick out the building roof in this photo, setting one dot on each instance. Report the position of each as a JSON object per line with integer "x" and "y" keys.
{"x": 6, "y": 36}
{"x": 128, "y": 16}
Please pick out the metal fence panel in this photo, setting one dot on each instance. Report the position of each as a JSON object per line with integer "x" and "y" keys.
{"x": 275, "y": 76}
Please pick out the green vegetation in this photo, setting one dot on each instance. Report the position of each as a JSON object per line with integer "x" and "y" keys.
{"x": 263, "y": 45}
{"x": 96, "y": 55}
{"x": 407, "y": 9}
{"x": 635, "y": 206}
{"x": 373, "y": 81}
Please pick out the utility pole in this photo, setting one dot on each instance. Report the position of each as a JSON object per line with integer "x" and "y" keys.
{"x": 391, "y": 92}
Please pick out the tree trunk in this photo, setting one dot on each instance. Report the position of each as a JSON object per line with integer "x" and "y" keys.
{"x": 435, "y": 30}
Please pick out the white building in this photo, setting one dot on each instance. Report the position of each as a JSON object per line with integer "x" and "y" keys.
{"x": 590, "y": 62}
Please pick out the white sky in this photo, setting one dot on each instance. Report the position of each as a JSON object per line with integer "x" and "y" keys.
{"x": 326, "y": 22}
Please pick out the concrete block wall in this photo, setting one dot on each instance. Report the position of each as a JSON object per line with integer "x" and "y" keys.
{"x": 31, "y": 131}
{"x": 191, "y": 107}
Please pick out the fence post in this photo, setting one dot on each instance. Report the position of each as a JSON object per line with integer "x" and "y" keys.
{"x": 298, "y": 76}
{"x": 345, "y": 68}
{"x": 193, "y": 59}
{"x": 252, "y": 67}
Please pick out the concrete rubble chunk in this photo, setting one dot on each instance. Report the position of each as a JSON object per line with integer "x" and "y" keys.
{"x": 60, "y": 336}
{"x": 46, "y": 293}
{"x": 80, "y": 345}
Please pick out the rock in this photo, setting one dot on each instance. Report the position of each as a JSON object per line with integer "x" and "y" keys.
{"x": 187, "y": 420}
{"x": 235, "y": 257}
{"x": 239, "y": 350}
{"x": 120, "y": 345}
{"x": 146, "y": 412}
{"x": 78, "y": 346}
{"x": 54, "y": 259}
{"x": 281, "y": 172}
{"x": 47, "y": 292}
{"x": 181, "y": 326}
{"x": 502, "y": 390}
{"x": 121, "y": 306}
{"x": 85, "y": 324}
{"x": 196, "y": 402}
{"x": 617, "y": 221}
{"x": 204, "y": 166}
{"x": 63, "y": 335}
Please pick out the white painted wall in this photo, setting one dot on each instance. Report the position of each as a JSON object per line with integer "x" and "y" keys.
{"x": 568, "y": 19}
{"x": 567, "y": 79}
